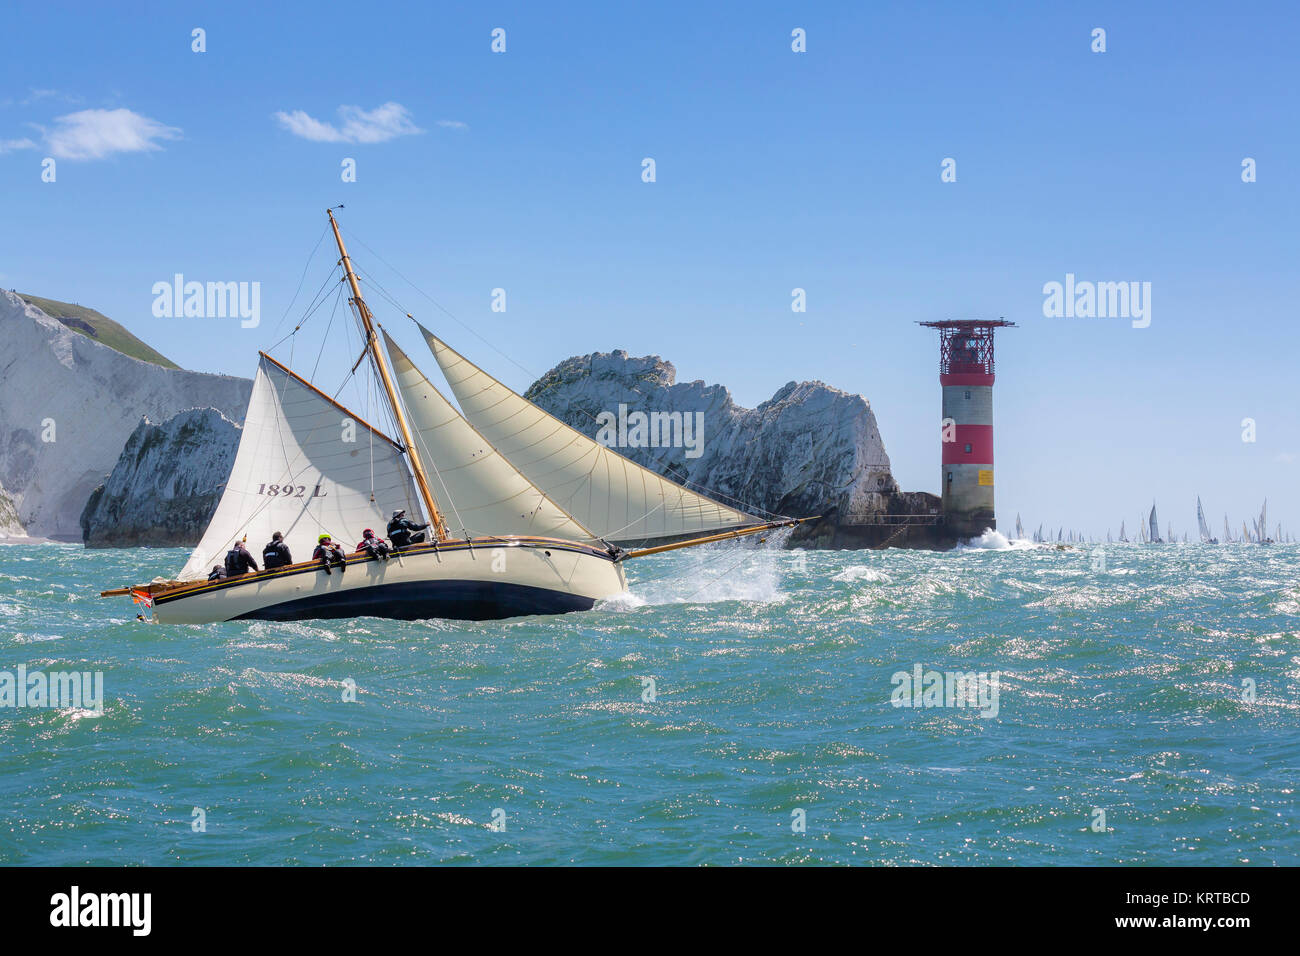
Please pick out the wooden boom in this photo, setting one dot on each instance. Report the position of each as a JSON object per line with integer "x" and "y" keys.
{"x": 723, "y": 536}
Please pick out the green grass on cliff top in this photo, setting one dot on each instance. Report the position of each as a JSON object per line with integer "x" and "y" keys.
{"x": 99, "y": 327}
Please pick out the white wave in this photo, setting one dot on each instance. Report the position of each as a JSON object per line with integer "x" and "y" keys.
{"x": 992, "y": 540}
{"x": 713, "y": 576}
{"x": 860, "y": 572}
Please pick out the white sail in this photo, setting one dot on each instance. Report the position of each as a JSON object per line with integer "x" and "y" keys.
{"x": 1020, "y": 529}
{"x": 474, "y": 486}
{"x": 1263, "y": 522}
{"x": 1153, "y": 532}
{"x": 305, "y": 466}
{"x": 1200, "y": 522}
{"x": 616, "y": 498}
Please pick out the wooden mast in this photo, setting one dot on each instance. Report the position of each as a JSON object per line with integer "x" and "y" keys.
{"x": 381, "y": 365}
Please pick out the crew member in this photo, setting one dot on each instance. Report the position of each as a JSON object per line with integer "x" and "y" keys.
{"x": 373, "y": 546}
{"x": 276, "y": 553}
{"x": 403, "y": 532}
{"x": 239, "y": 561}
{"x": 327, "y": 553}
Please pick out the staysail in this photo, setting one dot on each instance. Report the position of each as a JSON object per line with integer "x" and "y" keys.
{"x": 617, "y": 499}
{"x": 305, "y": 466}
{"x": 476, "y": 487}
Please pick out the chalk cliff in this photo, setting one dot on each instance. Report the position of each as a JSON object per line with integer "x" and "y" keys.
{"x": 166, "y": 484}
{"x": 67, "y": 406}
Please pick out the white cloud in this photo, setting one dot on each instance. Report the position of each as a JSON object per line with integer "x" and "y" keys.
{"x": 94, "y": 134}
{"x": 9, "y": 145}
{"x": 355, "y": 124}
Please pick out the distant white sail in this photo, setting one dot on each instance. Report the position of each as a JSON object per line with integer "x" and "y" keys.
{"x": 1121, "y": 533}
{"x": 1227, "y": 532}
{"x": 1153, "y": 531}
{"x": 305, "y": 466}
{"x": 473, "y": 483}
{"x": 1020, "y": 529}
{"x": 1200, "y": 522}
{"x": 616, "y": 498}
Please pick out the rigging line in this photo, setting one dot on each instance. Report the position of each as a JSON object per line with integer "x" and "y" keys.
{"x": 325, "y": 338}
{"x": 441, "y": 308}
{"x": 316, "y": 301}
{"x": 301, "y": 279}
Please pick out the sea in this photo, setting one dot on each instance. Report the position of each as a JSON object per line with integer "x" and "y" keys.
{"x": 999, "y": 704}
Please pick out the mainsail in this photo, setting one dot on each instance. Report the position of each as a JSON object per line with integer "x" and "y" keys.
{"x": 473, "y": 483}
{"x": 1153, "y": 533}
{"x": 617, "y": 499}
{"x": 1020, "y": 529}
{"x": 305, "y": 466}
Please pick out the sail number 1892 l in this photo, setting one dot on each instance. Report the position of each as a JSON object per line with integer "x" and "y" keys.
{"x": 289, "y": 491}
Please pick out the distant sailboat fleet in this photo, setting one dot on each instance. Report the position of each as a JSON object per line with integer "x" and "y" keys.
{"x": 1148, "y": 531}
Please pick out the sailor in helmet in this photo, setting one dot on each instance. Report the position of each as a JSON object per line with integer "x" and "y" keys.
{"x": 327, "y": 553}
{"x": 374, "y": 546}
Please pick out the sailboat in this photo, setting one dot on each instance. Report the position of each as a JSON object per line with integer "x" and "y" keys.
{"x": 1263, "y": 525}
{"x": 1122, "y": 537}
{"x": 1227, "y": 532}
{"x": 514, "y": 548}
{"x": 1154, "y": 527}
{"x": 1020, "y": 529}
{"x": 1202, "y": 527}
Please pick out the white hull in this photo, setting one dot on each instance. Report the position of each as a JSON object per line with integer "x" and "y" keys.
{"x": 479, "y": 580}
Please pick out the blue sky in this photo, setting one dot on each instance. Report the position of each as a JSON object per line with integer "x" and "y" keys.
{"x": 775, "y": 170}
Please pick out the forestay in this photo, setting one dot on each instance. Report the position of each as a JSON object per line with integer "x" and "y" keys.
{"x": 474, "y": 485}
{"x": 305, "y": 466}
{"x": 616, "y": 498}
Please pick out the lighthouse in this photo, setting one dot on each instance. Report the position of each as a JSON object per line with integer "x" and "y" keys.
{"x": 966, "y": 377}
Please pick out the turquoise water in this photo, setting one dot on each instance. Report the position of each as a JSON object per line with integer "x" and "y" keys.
{"x": 1121, "y": 690}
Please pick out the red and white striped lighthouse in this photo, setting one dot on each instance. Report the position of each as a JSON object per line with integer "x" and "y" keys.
{"x": 966, "y": 375}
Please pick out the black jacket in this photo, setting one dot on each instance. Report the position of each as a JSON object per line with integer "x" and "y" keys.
{"x": 238, "y": 560}
{"x": 276, "y": 555}
{"x": 399, "y": 529}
